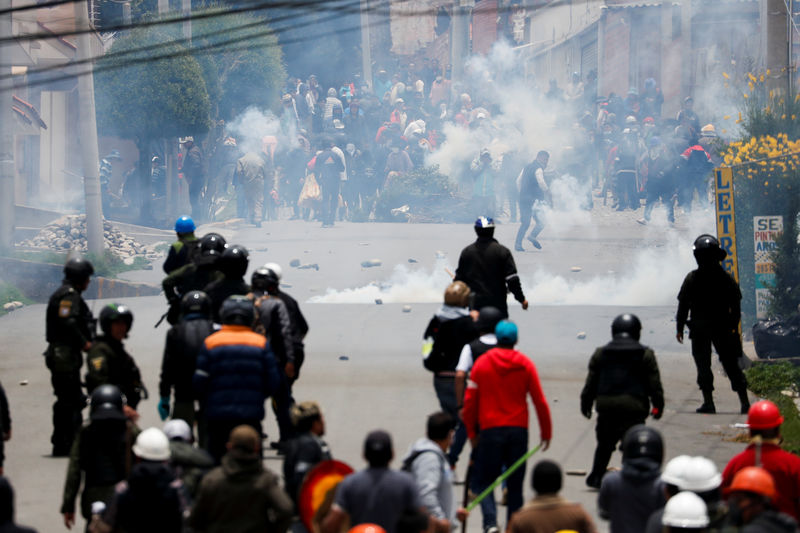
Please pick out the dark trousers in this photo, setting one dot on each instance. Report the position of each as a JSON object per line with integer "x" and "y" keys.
{"x": 196, "y": 201}
{"x": 219, "y": 432}
{"x": 656, "y": 190}
{"x": 282, "y": 403}
{"x": 67, "y": 417}
{"x": 498, "y": 447}
{"x": 526, "y": 211}
{"x": 330, "y": 200}
{"x": 445, "y": 387}
{"x": 729, "y": 348}
{"x": 611, "y": 427}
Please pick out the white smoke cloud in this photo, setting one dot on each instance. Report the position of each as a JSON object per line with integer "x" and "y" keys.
{"x": 250, "y": 127}
{"x": 651, "y": 277}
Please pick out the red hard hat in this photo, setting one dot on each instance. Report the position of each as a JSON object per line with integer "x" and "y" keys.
{"x": 764, "y": 415}
{"x": 367, "y": 528}
{"x": 753, "y": 479}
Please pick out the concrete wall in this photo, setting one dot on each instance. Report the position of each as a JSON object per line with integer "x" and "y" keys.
{"x": 38, "y": 281}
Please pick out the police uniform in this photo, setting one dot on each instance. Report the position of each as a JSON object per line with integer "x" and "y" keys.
{"x": 181, "y": 251}
{"x": 711, "y": 298}
{"x": 108, "y": 363}
{"x": 623, "y": 380}
{"x": 69, "y": 326}
{"x": 190, "y": 277}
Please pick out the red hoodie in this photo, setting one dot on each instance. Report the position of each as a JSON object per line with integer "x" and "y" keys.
{"x": 497, "y": 392}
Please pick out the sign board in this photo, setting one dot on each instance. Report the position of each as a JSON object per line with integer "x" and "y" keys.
{"x": 765, "y": 234}
{"x": 726, "y": 225}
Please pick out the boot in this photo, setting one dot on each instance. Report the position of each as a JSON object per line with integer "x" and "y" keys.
{"x": 708, "y": 403}
{"x": 745, "y": 401}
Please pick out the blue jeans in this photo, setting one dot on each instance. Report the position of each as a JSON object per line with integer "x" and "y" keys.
{"x": 445, "y": 387}
{"x": 498, "y": 447}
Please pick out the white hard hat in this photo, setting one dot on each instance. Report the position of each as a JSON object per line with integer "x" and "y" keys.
{"x": 152, "y": 445}
{"x": 685, "y": 510}
{"x": 275, "y": 267}
{"x": 178, "y": 429}
{"x": 674, "y": 470}
{"x": 700, "y": 475}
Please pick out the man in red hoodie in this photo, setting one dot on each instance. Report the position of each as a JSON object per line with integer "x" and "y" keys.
{"x": 496, "y": 402}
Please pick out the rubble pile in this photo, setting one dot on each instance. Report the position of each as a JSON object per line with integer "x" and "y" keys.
{"x": 69, "y": 232}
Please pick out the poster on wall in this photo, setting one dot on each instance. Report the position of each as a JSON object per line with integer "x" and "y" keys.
{"x": 765, "y": 235}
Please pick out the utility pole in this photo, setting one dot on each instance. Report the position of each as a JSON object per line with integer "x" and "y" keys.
{"x": 774, "y": 17}
{"x": 459, "y": 37}
{"x": 88, "y": 136}
{"x": 186, "y": 11}
{"x": 7, "y": 168}
{"x": 366, "y": 50}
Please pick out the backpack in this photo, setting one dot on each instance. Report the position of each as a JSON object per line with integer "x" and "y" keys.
{"x": 408, "y": 462}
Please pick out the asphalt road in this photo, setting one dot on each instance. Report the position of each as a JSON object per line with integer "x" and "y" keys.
{"x": 363, "y": 359}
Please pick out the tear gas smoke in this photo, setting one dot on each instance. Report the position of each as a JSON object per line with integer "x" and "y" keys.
{"x": 651, "y": 277}
{"x": 252, "y": 125}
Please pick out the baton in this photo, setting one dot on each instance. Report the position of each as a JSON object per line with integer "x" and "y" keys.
{"x": 160, "y": 320}
{"x": 510, "y": 470}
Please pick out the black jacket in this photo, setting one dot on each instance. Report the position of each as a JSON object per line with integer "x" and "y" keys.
{"x": 623, "y": 376}
{"x": 488, "y": 268}
{"x": 184, "y": 341}
{"x": 450, "y": 332}
{"x": 219, "y": 290}
{"x": 7, "y": 524}
{"x": 303, "y": 453}
{"x": 711, "y": 299}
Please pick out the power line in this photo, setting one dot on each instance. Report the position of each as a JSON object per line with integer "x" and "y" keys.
{"x": 211, "y": 13}
{"x": 210, "y": 48}
{"x": 182, "y": 41}
{"x": 35, "y": 6}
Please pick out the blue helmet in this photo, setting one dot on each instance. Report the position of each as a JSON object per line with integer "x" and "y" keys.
{"x": 184, "y": 224}
{"x": 484, "y": 223}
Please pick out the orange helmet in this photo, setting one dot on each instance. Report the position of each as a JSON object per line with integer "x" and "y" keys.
{"x": 367, "y": 528}
{"x": 753, "y": 479}
{"x": 764, "y": 415}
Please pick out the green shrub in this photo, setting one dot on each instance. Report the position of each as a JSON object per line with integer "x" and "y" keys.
{"x": 767, "y": 379}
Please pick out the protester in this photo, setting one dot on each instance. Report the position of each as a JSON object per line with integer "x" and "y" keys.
{"x": 488, "y": 269}
{"x": 496, "y": 402}
{"x": 627, "y": 498}
{"x": 548, "y": 511}
{"x": 750, "y": 499}
{"x": 764, "y": 450}
{"x": 306, "y": 449}
{"x": 427, "y": 462}
{"x": 377, "y": 495}
{"x": 241, "y": 495}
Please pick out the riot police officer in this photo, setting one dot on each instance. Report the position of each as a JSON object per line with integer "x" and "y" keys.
{"x": 623, "y": 380}
{"x": 108, "y": 362}
{"x": 233, "y": 265}
{"x": 183, "y": 250}
{"x": 69, "y": 330}
{"x": 709, "y": 302}
{"x": 183, "y": 343}
{"x": 193, "y": 276}
{"x": 101, "y": 454}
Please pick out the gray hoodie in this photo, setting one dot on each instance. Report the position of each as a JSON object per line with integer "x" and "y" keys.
{"x": 434, "y": 478}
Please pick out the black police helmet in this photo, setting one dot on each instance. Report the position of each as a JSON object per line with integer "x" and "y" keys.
{"x": 488, "y": 317}
{"x": 196, "y": 302}
{"x": 707, "y": 247}
{"x": 264, "y": 278}
{"x": 234, "y": 261}
{"x": 212, "y": 244}
{"x": 628, "y": 325}
{"x": 78, "y": 270}
{"x": 106, "y": 403}
{"x": 112, "y": 313}
{"x": 642, "y": 442}
{"x": 238, "y": 310}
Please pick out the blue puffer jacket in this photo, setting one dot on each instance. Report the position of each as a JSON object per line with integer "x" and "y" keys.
{"x": 236, "y": 371}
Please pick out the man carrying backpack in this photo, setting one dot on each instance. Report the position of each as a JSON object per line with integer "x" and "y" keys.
{"x": 427, "y": 462}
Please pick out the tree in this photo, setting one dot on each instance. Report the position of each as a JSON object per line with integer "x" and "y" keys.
{"x": 241, "y": 61}
{"x": 151, "y": 94}
{"x": 785, "y": 294}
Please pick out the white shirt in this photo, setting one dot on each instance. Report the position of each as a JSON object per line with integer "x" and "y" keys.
{"x": 465, "y": 360}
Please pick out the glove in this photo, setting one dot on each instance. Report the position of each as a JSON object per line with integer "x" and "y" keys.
{"x": 586, "y": 410}
{"x": 656, "y": 413}
{"x": 163, "y": 407}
